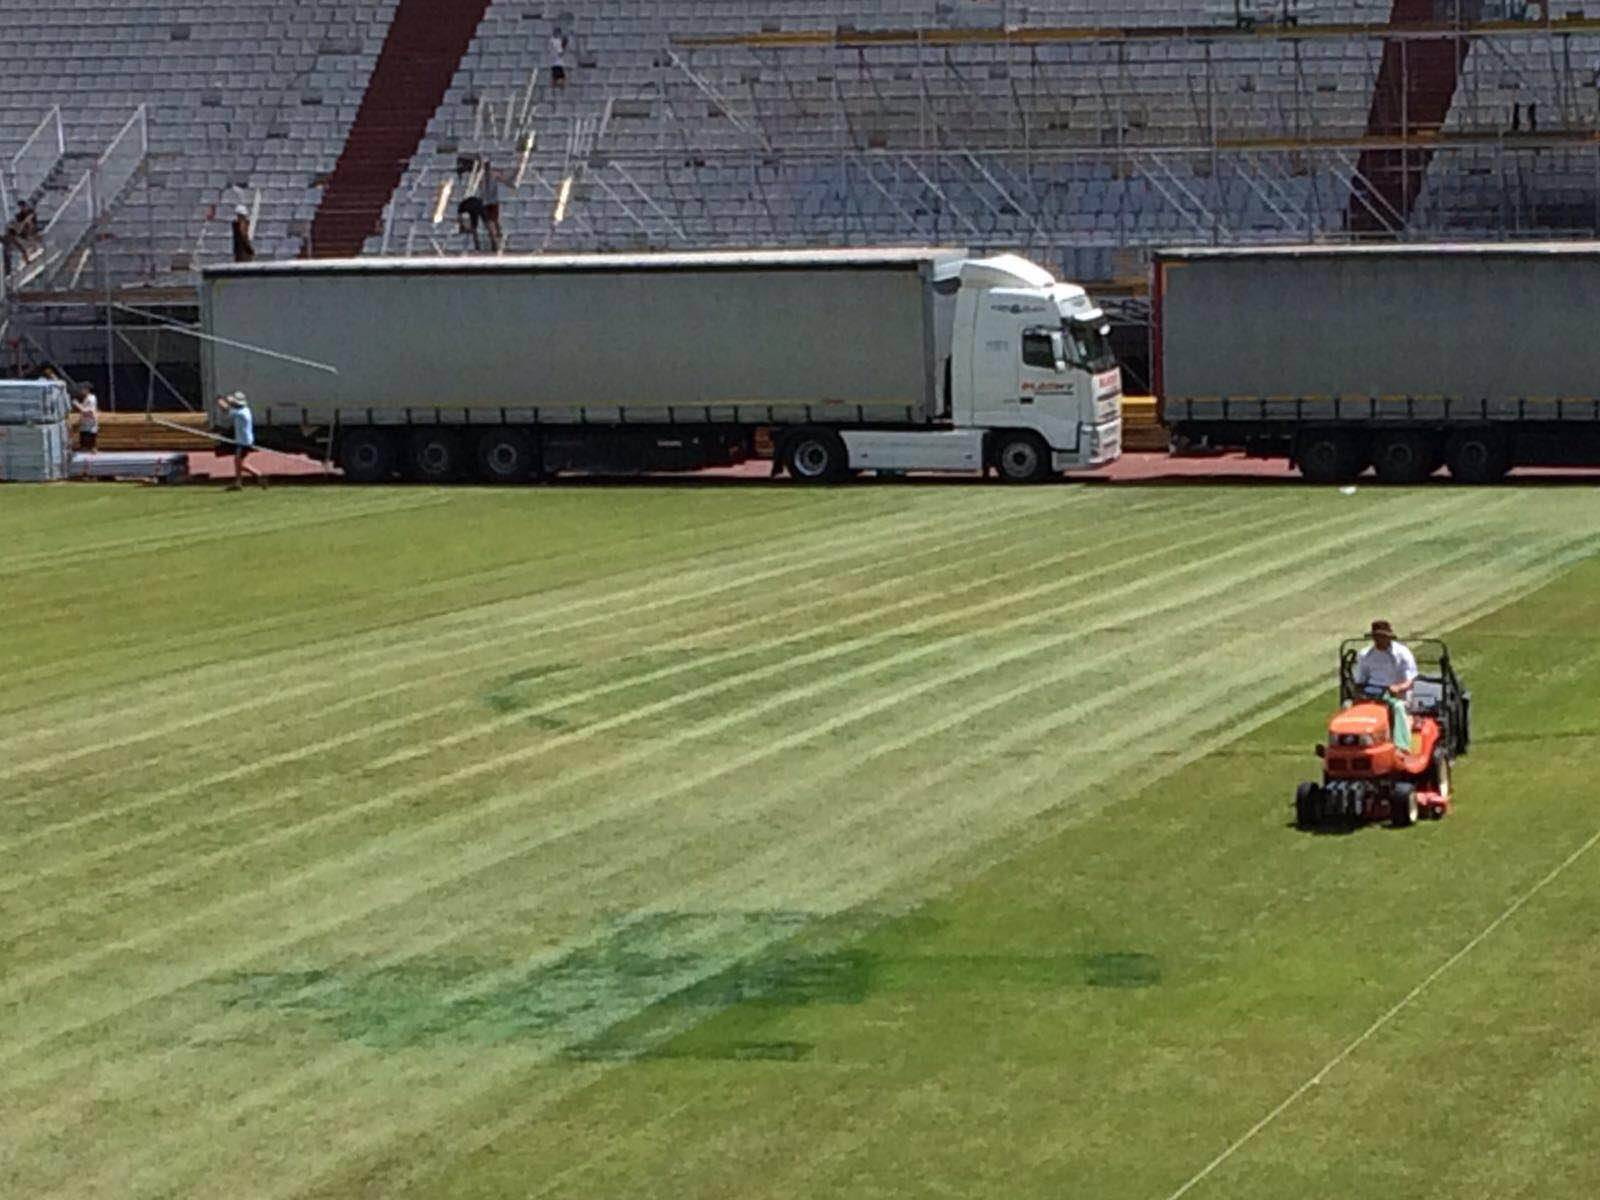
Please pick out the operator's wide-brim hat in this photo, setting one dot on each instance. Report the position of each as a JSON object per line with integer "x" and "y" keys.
{"x": 1382, "y": 627}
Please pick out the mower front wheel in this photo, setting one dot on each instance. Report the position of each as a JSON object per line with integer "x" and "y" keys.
{"x": 1305, "y": 805}
{"x": 1403, "y": 809}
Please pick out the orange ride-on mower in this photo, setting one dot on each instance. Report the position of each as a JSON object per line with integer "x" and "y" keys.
{"x": 1365, "y": 776}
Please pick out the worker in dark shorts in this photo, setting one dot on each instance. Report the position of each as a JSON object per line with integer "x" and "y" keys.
{"x": 490, "y": 193}
{"x": 469, "y": 215}
{"x": 244, "y": 247}
{"x": 558, "y": 58}
{"x": 237, "y": 408}
{"x": 88, "y": 409}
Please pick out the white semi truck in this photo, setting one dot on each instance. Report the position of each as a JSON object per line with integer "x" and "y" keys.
{"x": 519, "y": 367}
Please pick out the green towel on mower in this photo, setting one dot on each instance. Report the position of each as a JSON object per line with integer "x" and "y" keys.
{"x": 1400, "y": 719}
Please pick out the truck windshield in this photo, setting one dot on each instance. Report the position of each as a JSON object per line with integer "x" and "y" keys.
{"x": 1089, "y": 346}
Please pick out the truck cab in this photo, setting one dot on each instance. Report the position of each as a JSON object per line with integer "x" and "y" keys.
{"x": 1031, "y": 359}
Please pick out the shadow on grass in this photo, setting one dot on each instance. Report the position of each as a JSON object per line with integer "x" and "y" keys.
{"x": 1328, "y": 828}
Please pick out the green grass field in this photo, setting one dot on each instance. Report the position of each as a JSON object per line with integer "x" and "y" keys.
{"x": 759, "y": 842}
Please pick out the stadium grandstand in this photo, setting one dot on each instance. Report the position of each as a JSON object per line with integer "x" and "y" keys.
{"x": 1082, "y": 133}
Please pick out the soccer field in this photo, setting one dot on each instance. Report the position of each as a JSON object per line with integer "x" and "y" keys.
{"x": 752, "y": 841}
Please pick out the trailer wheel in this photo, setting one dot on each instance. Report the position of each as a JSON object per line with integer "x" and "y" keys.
{"x": 1021, "y": 457}
{"x": 1329, "y": 456}
{"x": 1403, "y": 806}
{"x": 505, "y": 456}
{"x": 1477, "y": 456}
{"x": 367, "y": 455}
{"x": 434, "y": 455}
{"x": 1404, "y": 457}
{"x": 816, "y": 456}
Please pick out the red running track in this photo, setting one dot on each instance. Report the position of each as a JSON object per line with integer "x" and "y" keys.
{"x": 1130, "y": 469}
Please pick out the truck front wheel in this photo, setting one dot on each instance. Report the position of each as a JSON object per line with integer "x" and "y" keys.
{"x": 367, "y": 455}
{"x": 1477, "y": 456}
{"x": 505, "y": 456}
{"x": 817, "y": 456}
{"x": 1329, "y": 457}
{"x": 1021, "y": 457}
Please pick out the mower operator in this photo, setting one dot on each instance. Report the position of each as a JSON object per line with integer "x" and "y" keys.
{"x": 1389, "y": 665}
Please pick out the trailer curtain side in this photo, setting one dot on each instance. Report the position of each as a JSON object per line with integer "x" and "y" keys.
{"x": 1459, "y": 324}
{"x": 835, "y": 344}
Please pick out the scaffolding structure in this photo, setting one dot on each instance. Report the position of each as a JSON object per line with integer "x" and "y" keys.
{"x": 1056, "y": 141}
{"x": 1081, "y": 147}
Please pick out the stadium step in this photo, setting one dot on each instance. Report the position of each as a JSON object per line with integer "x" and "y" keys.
{"x": 420, "y": 56}
{"x": 1141, "y": 430}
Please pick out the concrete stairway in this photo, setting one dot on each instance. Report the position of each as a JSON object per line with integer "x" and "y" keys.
{"x": 420, "y": 57}
{"x": 1416, "y": 87}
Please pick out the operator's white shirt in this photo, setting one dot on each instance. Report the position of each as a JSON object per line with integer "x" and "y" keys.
{"x": 1383, "y": 668}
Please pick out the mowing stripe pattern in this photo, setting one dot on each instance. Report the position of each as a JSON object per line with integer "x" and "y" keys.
{"x": 475, "y": 841}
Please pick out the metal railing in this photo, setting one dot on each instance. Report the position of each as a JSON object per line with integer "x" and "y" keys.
{"x": 89, "y": 200}
{"x": 120, "y": 161}
{"x": 71, "y": 222}
{"x": 31, "y": 166}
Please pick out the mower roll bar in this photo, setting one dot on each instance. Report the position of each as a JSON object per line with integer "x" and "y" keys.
{"x": 1433, "y": 665}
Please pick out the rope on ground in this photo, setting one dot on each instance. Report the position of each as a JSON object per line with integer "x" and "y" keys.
{"x": 1399, "y": 1006}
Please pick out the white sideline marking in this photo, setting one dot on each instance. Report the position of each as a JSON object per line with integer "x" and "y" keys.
{"x": 1393, "y": 1012}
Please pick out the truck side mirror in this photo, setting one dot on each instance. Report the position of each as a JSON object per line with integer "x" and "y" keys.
{"x": 1058, "y": 351}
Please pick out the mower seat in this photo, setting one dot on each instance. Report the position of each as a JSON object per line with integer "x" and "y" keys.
{"x": 1427, "y": 695}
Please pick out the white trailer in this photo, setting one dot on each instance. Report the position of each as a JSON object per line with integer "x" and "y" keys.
{"x": 509, "y": 368}
{"x": 1402, "y": 358}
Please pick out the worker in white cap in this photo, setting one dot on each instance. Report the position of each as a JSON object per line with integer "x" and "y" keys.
{"x": 244, "y": 250}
